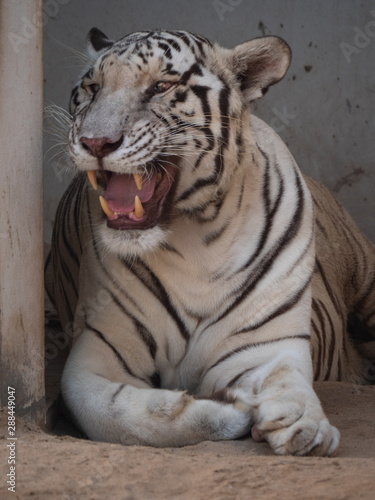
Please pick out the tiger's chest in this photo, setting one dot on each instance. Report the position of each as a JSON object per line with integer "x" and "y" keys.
{"x": 175, "y": 298}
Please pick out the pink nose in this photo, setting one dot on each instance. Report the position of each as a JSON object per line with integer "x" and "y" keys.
{"x": 100, "y": 146}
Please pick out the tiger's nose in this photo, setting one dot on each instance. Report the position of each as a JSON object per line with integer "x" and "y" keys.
{"x": 100, "y": 146}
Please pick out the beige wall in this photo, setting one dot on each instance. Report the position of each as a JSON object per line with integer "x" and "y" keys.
{"x": 21, "y": 217}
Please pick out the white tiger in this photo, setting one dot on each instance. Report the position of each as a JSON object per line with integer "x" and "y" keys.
{"x": 191, "y": 295}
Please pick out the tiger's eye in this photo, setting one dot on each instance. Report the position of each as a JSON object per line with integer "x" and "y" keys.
{"x": 161, "y": 87}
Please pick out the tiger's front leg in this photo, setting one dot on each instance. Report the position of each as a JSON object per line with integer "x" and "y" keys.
{"x": 110, "y": 402}
{"x": 270, "y": 369}
{"x": 290, "y": 417}
{"x": 287, "y": 411}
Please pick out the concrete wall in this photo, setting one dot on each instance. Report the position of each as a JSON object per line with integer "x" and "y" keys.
{"x": 323, "y": 109}
{"x": 21, "y": 208}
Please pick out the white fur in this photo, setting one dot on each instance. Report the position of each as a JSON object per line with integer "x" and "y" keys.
{"x": 276, "y": 393}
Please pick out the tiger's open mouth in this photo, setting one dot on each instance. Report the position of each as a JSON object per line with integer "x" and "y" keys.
{"x": 134, "y": 201}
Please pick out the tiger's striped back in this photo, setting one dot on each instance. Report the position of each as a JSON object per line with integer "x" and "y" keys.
{"x": 63, "y": 262}
{"x": 343, "y": 292}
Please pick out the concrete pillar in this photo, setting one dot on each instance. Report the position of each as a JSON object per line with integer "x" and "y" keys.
{"x": 21, "y": 212}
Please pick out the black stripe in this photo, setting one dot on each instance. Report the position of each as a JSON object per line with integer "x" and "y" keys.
{"x": 198, "y": 212}
{"x": 214, "y": 236}
{"x": 88, "y": 74}
{"x": 81, "y": 190}
{"x": 179, "y": 126}
{"x": 173, "y": 43}
{"x": 282, "y": 309}
{"x": 240, "y": 198}
{"x": 340, "y": 220}
{"x": 198, "y": 184}
{"x": 142, "y": 56}
{"x": 317, "y": 354}
{"x": 61, "y": 236}
{"x": 327, "y": 286}
{"x": 239, "y": 142}
{"x": 200, "y": 38}
{"x": 199, "y": 160}
{"x": 240, "y": 375}
{"x": 256, "y": 344}
{"x": 71, "y": 313}
{"x": 192, "y": 41}
{"x": 118, "y": 356}
{"x": 156, "y": 287}
{"x": 225, "y": 129}
{"x": 166, "y": 49}
{"x": 74, "y": 99}
{"x": 170, "y": 248}
{"x": 194, "y": 69}
{"x": 179, "y": 96}
{"x": 200, "y": 42}
{"x": 183, "y": 36}
{"x": 321, "y": 228}
{"x": 65, "y": 208}
{"x": 320, "y": 331}
{"x": 65, "y": 269}
{"x": 201, "y": 92}
{"x": 146, "y": 336}
{"x": 162, "y": 119}
{"x": 224, "y": 98}
{"x": 269, "y": 213}
{"x": 117, "y": 392}
{"x": 268, "y": 221}
{"x": 269, "y": 259}
{"x": 170, "y": 71}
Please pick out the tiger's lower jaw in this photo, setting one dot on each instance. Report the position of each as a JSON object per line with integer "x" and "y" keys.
{"x": 135, "y": 210}
{"x": 132, "y": 243}
{"x": 135, "y": 201}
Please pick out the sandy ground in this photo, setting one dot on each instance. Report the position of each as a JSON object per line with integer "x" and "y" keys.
{"x": 50, "y": 467}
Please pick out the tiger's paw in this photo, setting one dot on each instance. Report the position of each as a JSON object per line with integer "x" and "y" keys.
{"x": 295, "y": 426}
{"x": 230, "y": 420}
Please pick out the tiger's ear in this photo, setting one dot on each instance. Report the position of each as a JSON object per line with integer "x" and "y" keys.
{"x": 260, "y": 63}
{"x": 97, "y": 41}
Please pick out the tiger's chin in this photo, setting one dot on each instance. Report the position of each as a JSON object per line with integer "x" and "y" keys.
{"x": 132, "y": 243}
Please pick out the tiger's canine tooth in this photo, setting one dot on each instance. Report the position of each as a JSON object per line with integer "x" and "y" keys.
{"x": 158, "y": 179}
{"x": 91, "y": 174}
{"x": 138, "y": 180}
{"x": 138, "y": 210}
{"x": 105, "y": 207}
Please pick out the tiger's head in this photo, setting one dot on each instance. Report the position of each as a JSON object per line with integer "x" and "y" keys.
{"x": 161, "y": 122}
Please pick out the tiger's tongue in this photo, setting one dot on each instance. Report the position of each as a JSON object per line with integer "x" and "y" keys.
{"x": 122, "y": 190}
